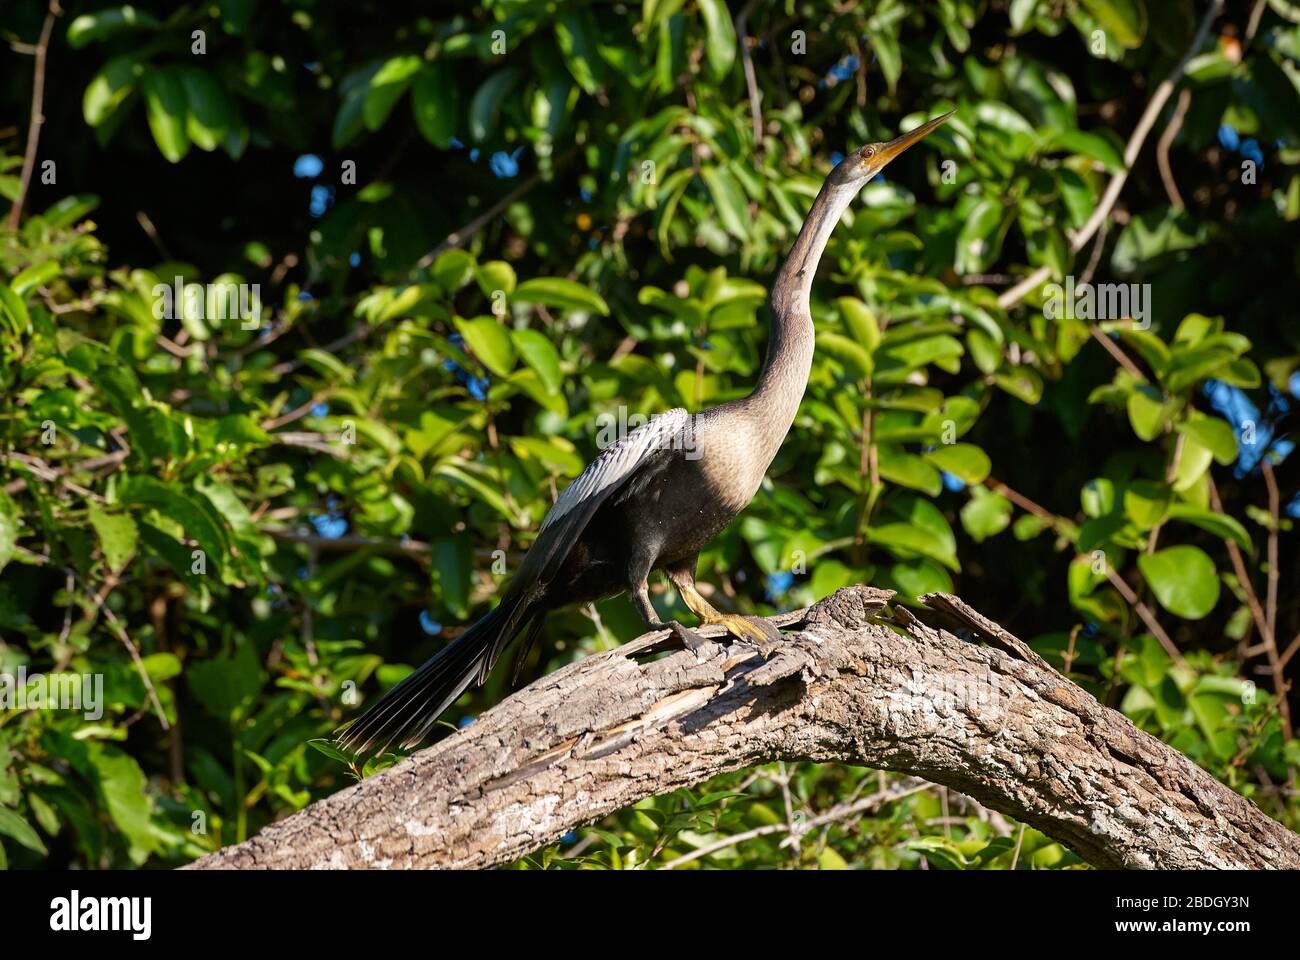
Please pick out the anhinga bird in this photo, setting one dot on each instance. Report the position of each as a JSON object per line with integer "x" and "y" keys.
{"x": 652, "y": 500}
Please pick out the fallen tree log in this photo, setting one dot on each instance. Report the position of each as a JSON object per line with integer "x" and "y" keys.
{"x": 972, "y": 708}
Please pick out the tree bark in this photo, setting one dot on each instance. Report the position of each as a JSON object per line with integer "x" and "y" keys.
{"x": 974, "y": 709}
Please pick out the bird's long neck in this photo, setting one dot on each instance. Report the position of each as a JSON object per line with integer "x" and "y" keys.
{"x": 790, "y": 336}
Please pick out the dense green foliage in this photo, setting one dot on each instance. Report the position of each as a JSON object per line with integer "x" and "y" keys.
{"x": 247, "y": 529}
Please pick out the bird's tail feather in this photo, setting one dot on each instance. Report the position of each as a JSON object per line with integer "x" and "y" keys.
{"x": 406, "y": 713}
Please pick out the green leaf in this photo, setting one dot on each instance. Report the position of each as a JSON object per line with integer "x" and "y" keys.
{"x": 235, "y": 15}
{"x": 8, "y": 528}
{"x": 540, "y": 354}
{"x": 986, "y": 514}
{"x": 168, "y": 111}
{"x": 907, "y": 541}
{"x": 1146, "y": 502}
{"x": 1023, "y": 383}
{"x": 964, "y": 460}
{"x": 885, "y": 43}
{"x": 453, "y": 269}
{"x": 227, "y": 686}
{"x": 327, "y": 365}
{"x": 1214, "y": 434}
{"x": 977, "y": 242}
{"x": 14, "y": 310}
{"x": 550, "y": 452}
{"x": 350, "y": 120}
{"x": 1080, "y": 200}
{"x": 919, "y": 351}
{"x": 720, "y": 43}
{"x": 487, "y": 101}
{"x": 327, "y": 747}
{"x": 125, "y": 791}
{"x": 210, "y": 113}
{"x": 386, "y": 88}
{"x": 1125, "y": 20}
{"x": 940, "y": 853}
{"x": 198, "y": 520}
{"x": 1154, "y": 233}
{"x": 912, "y": 578}
{"x": 496, "y": 275}
{"x": 1221, "y": 525}
{"x": 1091, "y": 145}
{"x": 35, "y": 276}
{"x": 490, "y": 342}
{"x": 12, "y": 825}
{"x": 1183, "y": 579}
{"x": 1147, "y": 412}
{"x": 729, "y": 201}
{"x": 1192, "y": 464}
{"x": 576, "y": 35}
{"x": 861, "y": 322}
{"x": 908, "y": 469}
{"x": 90, "y": 27}
{"x": 110, "y": 88}
{"x": 434, "y": 104}
{"x": 450, "y": 566}
{"x": 117, "y": 536}
{"x": 852, "y": 357}
{"x": 1097, "y": 497}
{"x": 563, "y": 294}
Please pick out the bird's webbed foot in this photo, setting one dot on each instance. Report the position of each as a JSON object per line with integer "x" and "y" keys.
{"x": 752, "y": 630}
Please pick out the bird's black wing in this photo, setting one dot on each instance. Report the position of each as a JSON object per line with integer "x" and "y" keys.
{"x": 406, "y": 713}
{"x": 647, "y": 448}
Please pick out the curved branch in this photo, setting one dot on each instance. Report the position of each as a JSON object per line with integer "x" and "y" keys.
{"x": 984, "y": 715}
{"x": 1137, "y": 138}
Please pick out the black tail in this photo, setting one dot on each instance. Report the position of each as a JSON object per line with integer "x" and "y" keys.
{"x": 407, "y": 712}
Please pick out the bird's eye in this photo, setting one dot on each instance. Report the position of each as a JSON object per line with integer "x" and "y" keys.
{"x": 868, "y": 152}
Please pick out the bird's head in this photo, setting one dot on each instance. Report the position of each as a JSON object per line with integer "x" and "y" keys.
{"x": 863, "y": 164}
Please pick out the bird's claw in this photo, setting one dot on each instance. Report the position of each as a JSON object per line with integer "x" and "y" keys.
{"x": 752, "y": 630}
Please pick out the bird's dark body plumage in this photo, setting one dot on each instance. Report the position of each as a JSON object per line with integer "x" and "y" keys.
{"x": 651, "y": 501}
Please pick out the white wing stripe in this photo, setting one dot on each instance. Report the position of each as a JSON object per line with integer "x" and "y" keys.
{"x": 617, "y": 461}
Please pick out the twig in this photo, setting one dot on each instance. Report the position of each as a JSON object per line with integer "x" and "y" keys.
{"x": 1157, "y": 102}
{"x": 299, "y": 412}
{"x": 1262, "y": 622}
{"x": 37, "y": 117}
{"x": 134, "y": 651}
{"x": 1020, "y": 838}
{"x": 350, "y": 541}
{"x": 320, "y": 442}
{"x": 1274, "y": 510}
{"x": 1239, "y": 568}
{"x": 1291, "y": 649}
{"x": 783, "y": 778}
{"x": 457, "y": 237}
{"x": 334, "y": 346}
{"x": 151, "y": 232}
{"x": 1095, "y": 258}
{"x": 353, "y": 541}
{"x": 751, "y": 81}
{"x": 1171, "y": 471}
{"x": 1166, "y": 141}
{"x": 842, "y": 812}
{"x": 1253, "y": 24}
{"x": 1275, "y": 665}
{"x": 1060, "y": 524}
{"x": 1145, "y": 614}
{"x": 1120, "y": 356}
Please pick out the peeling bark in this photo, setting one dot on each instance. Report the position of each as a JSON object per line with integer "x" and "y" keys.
{"x": 974, "y": 709}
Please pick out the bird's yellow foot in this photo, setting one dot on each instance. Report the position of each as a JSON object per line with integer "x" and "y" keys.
{"x": 753, "y": 630}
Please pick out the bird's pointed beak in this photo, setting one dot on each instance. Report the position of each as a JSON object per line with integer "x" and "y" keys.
{"x": 896, "y": 146}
